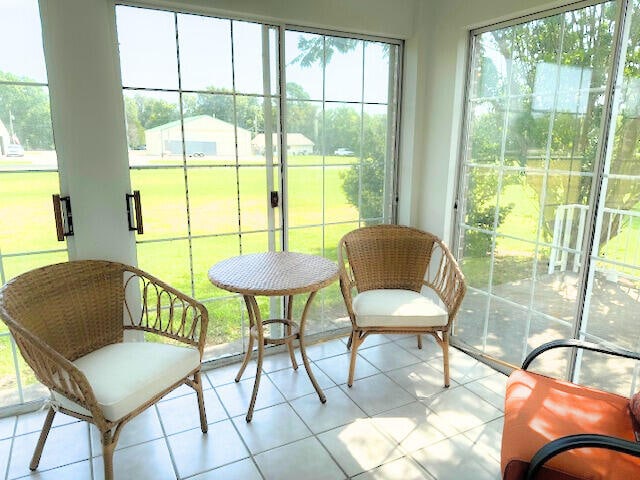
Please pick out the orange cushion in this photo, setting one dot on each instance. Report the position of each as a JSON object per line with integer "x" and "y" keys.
{"x": 539, "y": 409}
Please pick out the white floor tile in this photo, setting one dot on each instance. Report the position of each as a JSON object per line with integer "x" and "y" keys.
{"x": 337, "y": 368}
{"x": 5, "y": 449}
{"x": 420, "y": 380}
{"x": 487, "y": 438}
{"x": 462, "y": 408}
{"x": 296, "y": 383}
{"x": 79, "y": 470}
{"x": 182, "y": 413}
{"x": 377, "y": 394}
{"x": 327, "y": 349}
{"x": 455, "y": 459}
{"x": 413, "y": 426}
{"x": 242, "y": 470}
{"x": 401, "y": 469}
{"x": 236, "y": 396}
{"x": 491, "y": 388}
{"x": 66, "y": 444}
{"x": 271, "y": 428}
{"x": 143, "y": 428}
{"x": 430, "y": 349}
{"x": 319, "y": 417}
{"x": 7, "y": 426}
{"x": 32, "y": 422}
{"x": 195, "y": 452}
{"x": 227, "y": 374}
{"x": 388, "y": 356}
{"x": 359, "y": 447}
{"x": 305, "y": 459}
{"x": 279, "y": 361}
{"x": 462, "y": 367}
{"x": 148, "y": 461}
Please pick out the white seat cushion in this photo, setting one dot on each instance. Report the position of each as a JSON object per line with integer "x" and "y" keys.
{"x": 397, "y": 308}
{"x": 126, "y": 375}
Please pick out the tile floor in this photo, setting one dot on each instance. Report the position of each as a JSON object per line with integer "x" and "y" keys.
{"x": 396, "y": 422}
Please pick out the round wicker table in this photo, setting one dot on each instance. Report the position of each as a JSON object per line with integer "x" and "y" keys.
{"x": 274, "y": 274}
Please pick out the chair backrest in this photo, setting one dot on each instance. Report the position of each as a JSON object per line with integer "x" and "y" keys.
{"x": 388, "y": 256}
{"x": 73, "y": 307}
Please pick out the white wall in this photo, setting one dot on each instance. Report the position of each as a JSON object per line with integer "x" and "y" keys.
{"x": 439, "y": 93}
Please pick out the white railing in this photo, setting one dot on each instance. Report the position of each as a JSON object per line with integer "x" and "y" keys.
{"x": 568, "y": 240}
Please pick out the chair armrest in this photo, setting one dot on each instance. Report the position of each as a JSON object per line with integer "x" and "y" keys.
{"x": 168, "y": 312}
{"x": 55, "y": 371}
{"x": 570, "y": 442}
{"x": 578, "y": 344}
{"x": 347, "y": 281}
{"x": 447, "y": 280}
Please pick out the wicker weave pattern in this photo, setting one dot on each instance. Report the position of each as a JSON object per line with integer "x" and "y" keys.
{"x": 388, "y": 256}
{"x": 398, "y": 257}
{"x": 61, "y": 312}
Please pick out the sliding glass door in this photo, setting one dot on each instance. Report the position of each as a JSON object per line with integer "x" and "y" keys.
{"x": 207, "y": 101}
{"x": 547, "y": 227}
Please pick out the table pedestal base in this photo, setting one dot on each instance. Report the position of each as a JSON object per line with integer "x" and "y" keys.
{"x": 293, "y": 332}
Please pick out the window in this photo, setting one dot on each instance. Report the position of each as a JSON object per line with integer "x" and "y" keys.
{"x": 547, "y": 229}
{"x": 28, "y": 175}
{"x": 214, "y": 128}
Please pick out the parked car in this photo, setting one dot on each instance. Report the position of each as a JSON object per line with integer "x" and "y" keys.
{"x": 343, "y": 152}
{"x": 15, "y": 150}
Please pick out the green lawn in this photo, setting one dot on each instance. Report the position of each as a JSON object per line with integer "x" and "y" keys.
{"x": 315, "y": 196}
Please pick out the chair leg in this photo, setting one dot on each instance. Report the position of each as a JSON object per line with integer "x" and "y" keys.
{"x": 355, "y": 343}
{"x": 419, "y": 342}
{"x": 35, "y": 460}
{"x": 108, "y": 447}
{"x": 445, "y": 357}
{"x": 197, "y": 377}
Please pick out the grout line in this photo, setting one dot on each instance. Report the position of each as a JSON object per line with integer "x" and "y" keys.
{"x": 166, "y": 441}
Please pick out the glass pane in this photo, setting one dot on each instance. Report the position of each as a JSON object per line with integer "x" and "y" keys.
{"x": 164, "y": 206}
{"x": 247, "y": 57}
{"x": 376, "y": 61}
{"x": 8, "y": 383}
{"x": 486, "y": 131}
{"x": 304, "y": 140}
{"x": 168, "y": 261}
{"x": 21, "y": 53}
{"x": 513, "y": 270}
{"x": 148, "y": 55}
{"x": 554, "y": 363}
{"x": 506, "y": 331}
{"x": 305, "y": 65}
{"x": 471, "y": 320}
{"x": 342, "y": 130}
{"x": 343, "y": 71}
{"x": 225, "y": 333}
{"x": 206, "y": 253}
{"x": 213, "y": 204}
{"x": 154, "y": 129}
{"x": 205, "y": 53}
{"x": 26, "y": 136}
{"x": 342, "y": 195}
{"x": 26, "y": 212}
{"x": 332, "y": 235}
{"x": 306, "y": 240}
{"x": 305, "y": 196}
{"x": 481, "y": 197}
{"x": 476, "y": 258}
{"x": 254, "y": 199}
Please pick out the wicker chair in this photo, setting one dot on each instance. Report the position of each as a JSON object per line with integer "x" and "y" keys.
{"x": 389, "y": 265}
{"x": 69, "y": 321}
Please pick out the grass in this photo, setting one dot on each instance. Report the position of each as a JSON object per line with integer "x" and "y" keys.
{"x": 315, "y": 197}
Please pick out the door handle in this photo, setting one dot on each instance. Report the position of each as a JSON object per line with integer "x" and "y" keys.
{"x": 63, "y": 217}
{"x": 137, "y": 204}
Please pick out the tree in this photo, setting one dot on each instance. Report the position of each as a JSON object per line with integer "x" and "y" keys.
{"x": 25, "y": 108}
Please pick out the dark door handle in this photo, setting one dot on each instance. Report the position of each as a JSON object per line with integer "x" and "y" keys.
{"x": 63, "y": 217}
{"x": 137, "y": 205}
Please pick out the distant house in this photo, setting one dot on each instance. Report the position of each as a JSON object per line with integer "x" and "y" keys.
{"x": 4, "y": 138}
{"x": 297, "y": 144}
{"x": 204, "y": 135}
